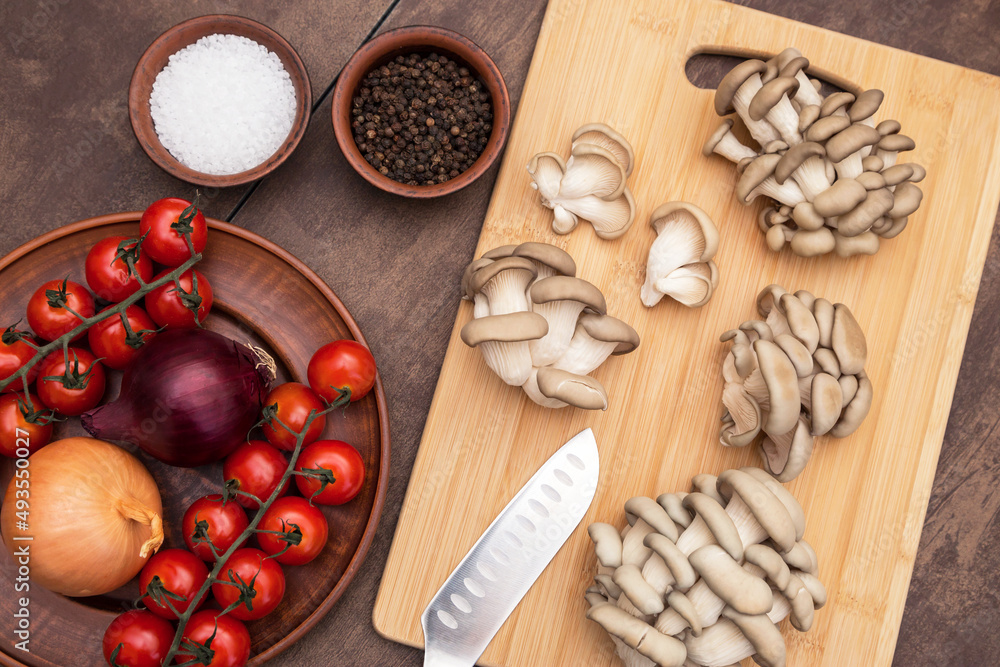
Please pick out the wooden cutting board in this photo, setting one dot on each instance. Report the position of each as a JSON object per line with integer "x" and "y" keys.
{"x": 622, "y": 62}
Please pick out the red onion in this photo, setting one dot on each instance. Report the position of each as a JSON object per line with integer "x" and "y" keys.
{"x": 189, "y": 398}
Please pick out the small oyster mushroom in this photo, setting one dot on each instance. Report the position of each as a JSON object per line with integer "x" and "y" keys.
{"x": 581, "y": 391}
{"x": 680, "y": 263}
{"x": 805, "y": 163}
{"x": 561, "y": 300}
{"x": 640, "y": 637}
{"x": 866, "y": 243}
{"x": 735, "y": 92}
{"x": 861, "y": 218}
{"x": 772, "y": 103}
{"x": 595, "y": 339}
{"x": 840, "y": 198}
{"x": 844, "y": 149}
{"x": 807, "y": 116}
{"x": 504, "y": 283}
{"x": 866, "y": 106}
{"x": 503, "y": 340}
{"x": 907, "y": 197}
{"x": 723, "y": 142}
{"x": 896, "y": 174}
{"x": 791, "y": 62}
{"x": 813, "y": 243}
{"x": 836, "y": 103}
{"x": 758, "y": 179}
{"x": 872, "y": 180}
{"x": 891, "y": 145}
{"x": 607, "y": 543}
{"x": 872, "y": 163}
{"x": 599, "y": 134}
{"x": 824, "y": 128}
{"x": 548, "y": 259}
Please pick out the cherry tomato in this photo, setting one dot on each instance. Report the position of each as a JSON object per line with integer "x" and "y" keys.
{"x": 165, "y": 244}
{"x": 230, "y": 643}
{"x": 285, "y": 515}
{"x": 52, "y": 321}
{"x": 15, "y": 355}
{"x": 257, "y": 468}
{"x": 145, "y": 639}
{"x": 340, "y": 365}
{"x": 165, "y": 306}
{"x": 340, "y": 460}
{"x": 295, "y": 401}
{"x": 109, "y": 277}
{"x": 87, "y": 383}
{"x": 178, "y": 574}
{"x": 109, "y": 340}
{"x": 14, "y": 426}
{"x": 221, "y": 523}
{"x": 268, "y": 584}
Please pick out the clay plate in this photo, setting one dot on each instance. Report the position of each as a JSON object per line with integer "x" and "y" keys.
{"x": 263, "y": 295}
{"x": 154, "y": 59}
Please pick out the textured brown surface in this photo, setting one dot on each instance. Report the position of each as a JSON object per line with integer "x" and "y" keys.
{"x": 66, "y": 152}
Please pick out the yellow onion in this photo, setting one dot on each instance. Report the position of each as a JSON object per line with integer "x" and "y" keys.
{"x": 94, "y": 517}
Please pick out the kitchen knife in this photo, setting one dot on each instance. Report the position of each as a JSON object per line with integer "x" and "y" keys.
{"x": 481, "y": 593}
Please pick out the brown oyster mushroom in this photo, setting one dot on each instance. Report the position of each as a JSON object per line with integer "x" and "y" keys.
{"x": 866, "y": 243}
{"x": 845, "y": 149}
{"x": 855, "y": 411}
{"x": 791, "y": 62}
{"x": 581, "y": 391}
{"x": 860, "y": 219}
{"x": 813, "y": 243}
{"x": 865, "y": 106}
{"x": 723, "y": 142}
{"x": 503, "y": 341}
{"x": 891, "y": 145}
{"x": 840, "y": 198}
{"x": 735, "y": 92}
{"x": 772, "y": 103}
{"x": 906, "y": 200}
{"x": 607, "y": 138}
{"x": 872, "y": 163}
{"x": 549, "y": 260}
{"x": 836, "y": 103}
{"x": 807, "y": 117}
{"x": 758, "y": 179}
{"x": 897, "y": 173}
{"x": 592, "y": 171}
{"x": 848, "y": 341}
{"x": 872, "y": 180}
{"x": 472, "y": 267}
{"x": 607, "y": 544}
{"x": 805, "y": 163}
{"x": 824, "y": 128}
{"x": 887, "y": 127}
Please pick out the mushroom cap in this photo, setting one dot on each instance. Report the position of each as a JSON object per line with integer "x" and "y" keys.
{"x": 860, "y": 219}
{"x": 609, "y": 329}
{"x": 805, "y": 216}
{"x": 796, "y": 352}
{"x": 826, "y": 127}
{"x": 547, "y": 254}
{"x": 767, "y": 559}
{"x": 592, "y": 170}
{"x": 763, "y": 635}
{"x": 485, "y": 274}
{"x": 782, "y": 387}
{"x": 725, "y": 127}
{"x": 907, "y": 197}
{"x": 474, "y": 266}
{"x": 807, "y": 116}
{"x": 919, "y": 173}
{"x": 735, "y": 586}
{"x": 769, "y": 511}
{"x": 792, "y": 67}
{"x": 639, "y": 635}
{"x": 866, "y": 105}
{"x": 684, "y": 575}
{"x": 794, "y": 158}
{"x": 872, "y": 180}
{"x": 637, "y": 590}
{"x": 897, "y": 173}
{"x": 839, "y": 198}
{"x": 770, "y": 94}
{"x": 848, "y": 341}
{"x": 776, "y": 146}
{"x": 887, "y": 127}
{"x": 607, "y": 543}
{"x": 581, "y": 391}
{"x": 686, "y": 210}
{"x": 812, "y": 243}
{"x": 546, "y": 171}
{"x": 568, "y": 288}
{"x": 856, "y": 410}
{"x": 896, "y": 142}
{"x": 732, "y": 82}
{"x": 607, "y": 138}
{"x": 872, "y": 163}
{"x": 851, "y": 140}
{"x": 757, "y": 171}
{"x": 671, "y": 503}
{"x": 499, "y": 252}
{"x": 835, "y": 102}
{"x": 785, "y": 456}
{"x": 786, "y": 56}
{"x": 826, "y": 402}
{"x": 718, "y": 521}
{"x": 508, "y": 328}
{"x": 648, "y": 510}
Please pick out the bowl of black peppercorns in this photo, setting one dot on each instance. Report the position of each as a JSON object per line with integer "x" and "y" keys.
{"x": 421, "y": 111}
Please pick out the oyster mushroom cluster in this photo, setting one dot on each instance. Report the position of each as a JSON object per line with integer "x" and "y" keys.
{"x": 796, "y": 375}
{"x": 590, "y": 184}
{"x": 833, "y": 172}
{"x": 680, "y": 260}
{"x": 541, "y": 328}
{"x": 703, "y": 578}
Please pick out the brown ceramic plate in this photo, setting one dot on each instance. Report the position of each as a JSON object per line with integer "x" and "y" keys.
{"x": 420, "y": 39}
{"x": 154, "y": 59}
{"x": 263, "y": 295}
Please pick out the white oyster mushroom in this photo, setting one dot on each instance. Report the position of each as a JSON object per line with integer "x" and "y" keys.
{"x": 599, "y": 134}
{"x": 596, "y": 338}
{"x": 680, "y": 260}
{"x": 561, "y": 300}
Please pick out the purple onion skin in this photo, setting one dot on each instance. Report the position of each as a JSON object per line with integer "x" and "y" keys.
{"x": 189, "y": 398}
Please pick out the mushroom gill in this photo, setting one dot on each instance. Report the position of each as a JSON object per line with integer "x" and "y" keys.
{"x": 680, "y": 260}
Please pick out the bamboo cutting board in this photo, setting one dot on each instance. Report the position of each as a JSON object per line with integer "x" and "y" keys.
{"x": 622, "y": 62}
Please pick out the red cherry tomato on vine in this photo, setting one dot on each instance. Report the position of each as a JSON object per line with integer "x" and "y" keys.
{"x": 230, "y": 639}
{"x": 109, "y": 340}
{"x": 268, "y": 583}
{"x": 49, "y": 308}
{"x": 335, "y": 460}
{"x": 339, "y": 365}
{"x": 13, "y": 356}
{"x": 87, "y": 382}
{"x": 221, "y": 523}
{"x": 145, "y": 639}
{"x": 285, "y": 515}
{"x": 15, "y": 427}
{"x": 109, "y": 277}
{"x": 165, "y": 244}
{"x": 178, "y": 575}
{"x": 295, "y": 401}
{"x": 165, "y": 305}
{"x": 257, "y": 468}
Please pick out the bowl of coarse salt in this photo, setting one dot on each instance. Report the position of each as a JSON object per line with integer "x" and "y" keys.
{"x": 219, "y": 100}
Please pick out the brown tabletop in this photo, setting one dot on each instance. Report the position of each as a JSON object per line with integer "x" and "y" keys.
{"x": 67, "y": 152}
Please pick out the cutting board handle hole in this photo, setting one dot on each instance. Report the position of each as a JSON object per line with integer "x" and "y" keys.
{"x": 706, "y": 69}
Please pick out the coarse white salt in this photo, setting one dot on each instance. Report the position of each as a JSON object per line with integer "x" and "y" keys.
{"x": 223, "y": 105}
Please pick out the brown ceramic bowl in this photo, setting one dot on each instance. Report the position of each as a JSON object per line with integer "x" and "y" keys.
{"x": 420, "y": 39}
{"x": 154, "y": 59}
